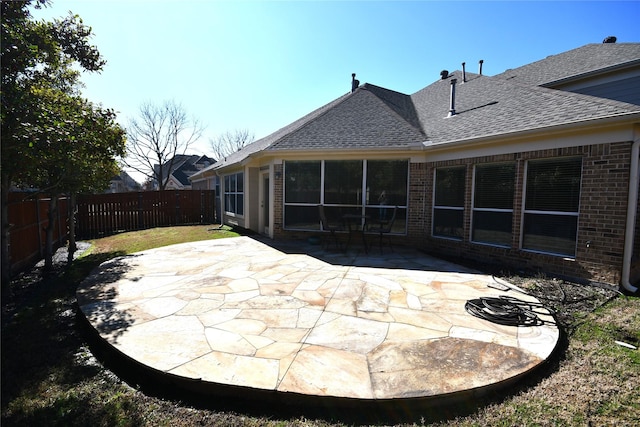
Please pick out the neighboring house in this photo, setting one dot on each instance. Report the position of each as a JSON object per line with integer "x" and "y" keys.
{"x": 177, "y": 174}
{"x": 123, "y": 183}
{"x": 536, "y": 167}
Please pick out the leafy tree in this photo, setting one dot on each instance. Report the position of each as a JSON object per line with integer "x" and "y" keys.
{"x": 43, "y": 118}
{"x": 155, "y": 138}
{"x": 230, "y": 142}
{"x": 74, "y": 144}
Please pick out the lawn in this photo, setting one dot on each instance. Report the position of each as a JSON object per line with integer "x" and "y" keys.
{"x": 52, "y": 375}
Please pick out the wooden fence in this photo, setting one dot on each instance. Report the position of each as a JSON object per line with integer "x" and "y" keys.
{"x": 100, "y": 215}
{"x": 28, "y": 218}
{"x": 104, "y": 214}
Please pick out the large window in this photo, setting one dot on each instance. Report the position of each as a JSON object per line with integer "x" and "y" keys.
{"x": 493, "y": 203}
{"x": 302, "y": 181}
{"x": 386, "y": 187}
{"x": 552, "y": 199}
{"x": 369, "y": 187}
{"x": 448, "y": 206}
{"x": 343, "y": 182}
{"x": 234, "y": 193}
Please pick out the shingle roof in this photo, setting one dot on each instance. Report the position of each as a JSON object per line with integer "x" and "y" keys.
{"x": 489, "y": 106}
{"x": 184, "y": 166}
{"x": 268, "y": 140}
{"x": 363, "y": 120}
{"x": 575, "y": 62}
{"x": 374, "y": 118}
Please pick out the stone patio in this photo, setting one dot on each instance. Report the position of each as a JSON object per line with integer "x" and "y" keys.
{"x": 294, "y": 321}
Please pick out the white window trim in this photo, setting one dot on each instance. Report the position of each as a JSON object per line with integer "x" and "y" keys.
{"x": 554, "y": 213}
{"x": 443, "y": 207}
{"x": 474, "y": 209}
{"x": 224, "y": 194}
{"x": 322, "y": 183}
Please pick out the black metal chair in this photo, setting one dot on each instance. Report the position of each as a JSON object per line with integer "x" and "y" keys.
{"x": 331, "y": 228}
{"x": 383, "y": 227}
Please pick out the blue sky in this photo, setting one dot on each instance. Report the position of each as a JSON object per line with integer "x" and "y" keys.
{"x": 261, "y": 65}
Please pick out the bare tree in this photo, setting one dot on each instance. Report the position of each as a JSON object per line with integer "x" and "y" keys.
{"x": 155, "y": 138}
{"x": 230, "y": 142}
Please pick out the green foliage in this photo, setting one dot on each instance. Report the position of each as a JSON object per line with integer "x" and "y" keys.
{"x": 36, "y": 54}
{"x": 61, "y": 141}
{"x": 73, "y": 142}
{"x": 52, "y": 139}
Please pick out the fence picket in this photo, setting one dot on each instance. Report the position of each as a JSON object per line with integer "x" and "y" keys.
{"x": 99, "y": 215}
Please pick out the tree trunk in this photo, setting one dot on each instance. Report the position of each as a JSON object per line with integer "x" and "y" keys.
{"x": 72, "y": 228}
{"x": 6, "y": 258}
{"x": 48, "y": 249}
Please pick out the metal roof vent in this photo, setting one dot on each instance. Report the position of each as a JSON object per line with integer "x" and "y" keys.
{"x": 610, "y": 39}
{"x": 452, "y": 99}
{"x": 354, "y": 83}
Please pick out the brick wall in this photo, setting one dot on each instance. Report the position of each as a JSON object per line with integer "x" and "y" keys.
{"x": 278, "y": 200}
{"x": 603, "y": 204}
{"x": 419, "y": 199}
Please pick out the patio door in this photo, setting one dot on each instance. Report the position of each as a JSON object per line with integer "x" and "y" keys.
{"x": 264, "y": 222}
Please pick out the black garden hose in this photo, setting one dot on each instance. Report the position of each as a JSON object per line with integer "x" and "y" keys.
{"x": 508, "y": 311}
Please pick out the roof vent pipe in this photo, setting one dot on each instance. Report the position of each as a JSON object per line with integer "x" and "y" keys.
{"x": 480, "y": 66}
{"x": 354, "y": 83}
{"x": 464, "y": 73}
{"x": 452, "y": 103}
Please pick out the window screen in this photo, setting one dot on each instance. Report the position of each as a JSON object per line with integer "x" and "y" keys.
{"x": 552, "y": 204}
{"x": 448, "y": 210}
{"x": 493, "y": 203}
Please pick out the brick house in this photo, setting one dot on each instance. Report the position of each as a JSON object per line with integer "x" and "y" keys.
{"x": 535, "y": 168}
{"x": 176, "y": 171}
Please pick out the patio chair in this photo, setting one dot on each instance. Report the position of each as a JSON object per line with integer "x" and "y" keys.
{"x": 383, "y": 227}
{"x": 331, "y": 228}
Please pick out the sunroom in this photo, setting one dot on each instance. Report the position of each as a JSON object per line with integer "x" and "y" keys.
{"x": 366, "y": 188}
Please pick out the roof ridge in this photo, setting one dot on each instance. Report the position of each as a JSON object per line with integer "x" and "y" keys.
{"x": 411, "y": 121}
{"x": 267, "y": 141}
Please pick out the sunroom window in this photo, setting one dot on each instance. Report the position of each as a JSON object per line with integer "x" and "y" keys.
{"x": 552, "y": 200}
{"x": 493, "y": 203}
{"x": 448, "y": 206}
{"x": 302, "y": 194}
{"x": 386, "y": 187}
{"x": 364, "y": 187}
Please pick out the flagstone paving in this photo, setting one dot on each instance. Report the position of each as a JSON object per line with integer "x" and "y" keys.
{"x": 300, "y": 320}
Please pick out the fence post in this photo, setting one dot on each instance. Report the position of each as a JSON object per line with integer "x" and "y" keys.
{"x": 60, "y": 238}
{"x": 140, "y": 212}
{"x": 201, "y": 207}
{"x": 38, "y": 226}
{"x": 178, "y": 222}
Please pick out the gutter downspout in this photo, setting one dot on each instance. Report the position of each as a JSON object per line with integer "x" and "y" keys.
{"x": 632, "y": 208}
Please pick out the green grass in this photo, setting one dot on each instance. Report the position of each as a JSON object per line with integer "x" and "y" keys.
{"x": 50, "y": 376}
{"x": 136, "y": 241}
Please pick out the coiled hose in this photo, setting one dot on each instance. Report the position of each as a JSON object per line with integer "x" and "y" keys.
{"x": 509, "y": 311}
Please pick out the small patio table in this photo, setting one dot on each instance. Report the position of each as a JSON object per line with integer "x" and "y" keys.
{"x": 356, "y": 223}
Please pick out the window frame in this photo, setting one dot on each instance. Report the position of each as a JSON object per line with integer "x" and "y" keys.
{"x": 442, "y": 208}
{"x": 528, "y": 213}
{"x": 366, "y": 204}
{"x": 231, "y": 209}
{"x": 483, "y": 210}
